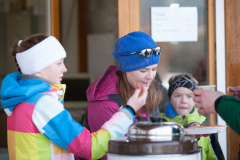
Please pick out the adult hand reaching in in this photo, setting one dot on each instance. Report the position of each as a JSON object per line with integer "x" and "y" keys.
{"x": 138, "y": 99}
{"x": 197, "y": 136}
{"x": 205, "y": 100}
{"x": 194, "y": 124}
{"x": 235, "y": 91}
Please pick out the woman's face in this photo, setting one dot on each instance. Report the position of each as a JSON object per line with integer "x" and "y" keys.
{"x": 182, "y": 101}
{"x": 53, "y": 72}
{"x": 142, "y": 76}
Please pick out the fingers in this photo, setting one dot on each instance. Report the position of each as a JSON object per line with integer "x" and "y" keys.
{"x": 143, "y": 94}
{"x": 197, "y": 99}
{"x": 195, "y": 136}
{"x": 144, "y": 91}
{"x": 196, "y": 124}
{"x": 137, "y": 92}
{"x": 236, "y": 94}
{"x": 198, "y": 105}
{"x": 138, "y": 99}
{"x": 201, "y": 110}
{"x": 235, "y": 89}
{"x": 198, "y": 92}
{"x": 206, "y": 135}
{"x": 199, "y": 135}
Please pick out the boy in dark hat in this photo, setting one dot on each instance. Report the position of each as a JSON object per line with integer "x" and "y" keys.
{"x": 180, "y": 109}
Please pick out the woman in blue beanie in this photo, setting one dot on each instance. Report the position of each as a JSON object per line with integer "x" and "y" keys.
{"x": 138, "y": 57}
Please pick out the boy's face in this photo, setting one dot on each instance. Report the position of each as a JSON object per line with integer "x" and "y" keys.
{"x": 182, "y": 101}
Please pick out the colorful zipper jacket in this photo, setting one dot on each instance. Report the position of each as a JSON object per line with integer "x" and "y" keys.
{"x": 211, "y": 149}
{"x": 39, "y": 127}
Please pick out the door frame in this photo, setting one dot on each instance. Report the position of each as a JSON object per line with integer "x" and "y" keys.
{"x": 221, "y": 67}
{"x": 53, "y": 18}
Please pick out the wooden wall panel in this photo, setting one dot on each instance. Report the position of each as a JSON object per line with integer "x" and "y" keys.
{"x": 82, "y": 34}
{"x": 211, "y": 42}
{"x": 123, "y": 17}
{"x": 128, "y": 16}
{"x": 55, "y": 18}
{"x": 3, "y": 129}
{"x": 232, "y": 50}
{"x": 211, "y": 50}
{"x": 134, "y": 15}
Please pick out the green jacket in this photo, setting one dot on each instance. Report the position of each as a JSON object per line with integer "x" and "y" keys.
{"x": 209, "y": 149}
{"x": 228, "y": 107}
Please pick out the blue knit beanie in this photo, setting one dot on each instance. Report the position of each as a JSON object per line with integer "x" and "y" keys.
{"x": 130, "y": 43}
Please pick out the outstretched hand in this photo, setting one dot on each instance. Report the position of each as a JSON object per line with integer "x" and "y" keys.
{"x": 205, "y": 100}
{"x": 138, "y": 99}
{"x": 235, "y": 91}
{"x": 197, "y": 135}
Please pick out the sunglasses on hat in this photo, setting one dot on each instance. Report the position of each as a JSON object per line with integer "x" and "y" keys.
{"x": 147, "y": 52}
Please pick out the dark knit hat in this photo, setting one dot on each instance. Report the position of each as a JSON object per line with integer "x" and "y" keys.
{"x": 183, "y": 80}
{"x": 131, "y": 43}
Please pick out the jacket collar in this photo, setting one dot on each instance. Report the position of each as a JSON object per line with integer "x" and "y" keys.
{"x": 169, "y": 111}
{"x": 189, "y": 118}
{"x": 26, "y": 76}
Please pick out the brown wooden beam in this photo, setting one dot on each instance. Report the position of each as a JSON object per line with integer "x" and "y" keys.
{"x": 232, "y": 59}
{"x": 134, "y": 15}
{"x": 55, "y": 18}
{"x": 123, "y": 17}
{"x": 82, "y": 25}
{"x": 3, "y": 129}
{"x": 211, "y": 50}
{"x": 128, "y": 16}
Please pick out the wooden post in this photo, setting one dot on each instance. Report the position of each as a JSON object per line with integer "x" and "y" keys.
{"x": 211, "y": 50}
{"x": 82, "y": 25}
{"x": 134, "y": 15}
{"x": 55, "y": 18}
{"x": 128, "y": 16}
{"x": 123, "y": 17}
{"x": 3, "y": 129}
{"x": 232, "y": 50}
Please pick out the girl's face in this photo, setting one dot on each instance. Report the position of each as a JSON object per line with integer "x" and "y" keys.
{"x": 182, "y": 101}
{"x": 142, "y": 76}
{"x": 53, "y": 72}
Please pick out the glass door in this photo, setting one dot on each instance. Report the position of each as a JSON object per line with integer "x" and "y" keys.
{"x": 182, "y": 55}
{"x": 194, "y": 56}
{"x": 189, "y": 56}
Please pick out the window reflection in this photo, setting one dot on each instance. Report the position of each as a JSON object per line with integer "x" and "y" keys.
{"x": 18, "y": 20}
{"x": 179, "y": 57}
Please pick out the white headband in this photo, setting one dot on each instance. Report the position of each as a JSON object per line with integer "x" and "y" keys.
{"x": 40, "y": 55}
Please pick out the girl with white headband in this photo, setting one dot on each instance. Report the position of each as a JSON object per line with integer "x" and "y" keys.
{"x": 38, "y": 126}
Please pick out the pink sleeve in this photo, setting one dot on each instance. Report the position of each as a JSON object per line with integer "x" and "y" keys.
{"x": 101, "y": 113}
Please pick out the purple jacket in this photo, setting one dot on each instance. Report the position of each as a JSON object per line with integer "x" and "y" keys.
{"x": 101, "y": 108}
{"x": 103, "y": 102}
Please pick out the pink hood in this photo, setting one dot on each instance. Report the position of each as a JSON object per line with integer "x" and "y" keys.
{"x": 101, "y": 105}
{"x": 106, "y": 87}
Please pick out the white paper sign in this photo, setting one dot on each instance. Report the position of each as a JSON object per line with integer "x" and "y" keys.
{"x": 174, "y": 24}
